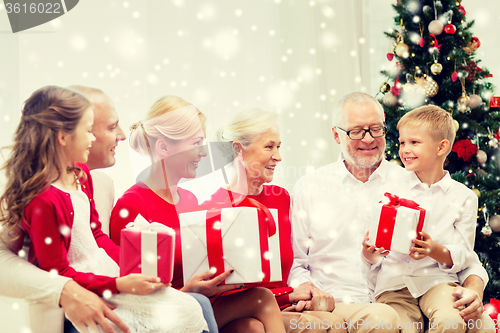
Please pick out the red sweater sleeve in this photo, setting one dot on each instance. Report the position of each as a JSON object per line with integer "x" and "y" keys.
{"x": 126, "y": 210}
{"x": 48, "y": 221}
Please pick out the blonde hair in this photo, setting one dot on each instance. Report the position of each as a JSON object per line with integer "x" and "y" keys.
{"x": 246, "y": 126}
{"x": 354, "y": 98}
{"x": 436, "y": 121}
{"x": 170, "y": 117}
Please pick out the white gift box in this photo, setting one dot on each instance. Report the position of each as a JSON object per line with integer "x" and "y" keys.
{"x": 239, "y": 229}
{"x": 395, "y": 228}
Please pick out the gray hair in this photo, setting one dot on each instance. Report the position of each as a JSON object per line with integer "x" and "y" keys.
{"x": 246, "y": 126}
{"x": 354, "y": 98}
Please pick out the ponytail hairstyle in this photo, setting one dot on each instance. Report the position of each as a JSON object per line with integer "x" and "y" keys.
{"x": 33, "y": 157}
{"x": 171, "y": 118}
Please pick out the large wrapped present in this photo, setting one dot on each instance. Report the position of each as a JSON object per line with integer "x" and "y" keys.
{"x": 399, "y": 222}
{"x": 244, "y": 238}
{"x": 147, "y": 248}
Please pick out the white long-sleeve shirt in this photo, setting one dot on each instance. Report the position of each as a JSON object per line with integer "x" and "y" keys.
{"x": 451, "y": 210}
{"x": 328, "y": 226}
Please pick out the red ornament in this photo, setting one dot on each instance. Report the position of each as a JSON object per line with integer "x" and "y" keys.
{"x": 465, "y": 149}
{"x": 450, "y": 29}
{"x": 421, "y": 41}
{"x": 461, "y": 10}
{"x": 493, "y": 310}
{"x": 395, "y": 90}
{"x": 476, "y": 40}
{"x": 454, "y": 76}
{"x": 390, "y": 56}
{"x": 494, "y": 103}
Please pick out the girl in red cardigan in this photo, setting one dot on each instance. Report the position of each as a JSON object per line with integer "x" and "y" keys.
{"x": 49, "y": 194}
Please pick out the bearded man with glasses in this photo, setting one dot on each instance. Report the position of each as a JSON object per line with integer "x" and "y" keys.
{"x": 328, "y": 222}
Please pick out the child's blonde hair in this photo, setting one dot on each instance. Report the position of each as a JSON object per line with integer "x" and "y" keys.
{"x": 436, "y": 121}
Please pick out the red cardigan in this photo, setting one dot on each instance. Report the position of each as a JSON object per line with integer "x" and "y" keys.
{"x": 48, "y": 219}
{"x": 276, "y": 197}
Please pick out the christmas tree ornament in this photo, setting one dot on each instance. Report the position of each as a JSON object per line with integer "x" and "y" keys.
{"x": 436, "y": 27}
{"x": 436, "y": 68}
{"x": 476, "y": 192}
{"x": 390, "y": 99}
{"x": 486, "y": 230}
{"x": 385, "y": 87}
{"x": 396, "y": 88}
{"x": 402, "y": 50}
{"x": 471, "y": 69}
{"x": 494, "y": 223}
{"x": 493, "y": 143}
{"x": 481, "y": 156}
{"x": 462, "y": 103}
{"x": 481, "y": 172}
{"x": 473, "y": 46}
{"x": 427, "y": 10}
{"x": 421, "y": 41}
{"x": 461, "y": 10}
{"x": 390, "y": 52}
{"x": 457, "y": 125}
{"x": 454, "y": 76}
{"x": 431, "y": 87}
{"x": 475, "y": 101}
{"x": 495, "y": 103}
{"x": 450, "y": 29}
{"x": 465, "y": 149}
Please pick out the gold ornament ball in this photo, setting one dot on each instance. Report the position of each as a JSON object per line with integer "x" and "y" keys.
{"x": 481, "y": 172}
{"x": 402, "y": 50}
{"x": 436, "y": 68}
{"x": 457, "y": 125}
{"x": 431, "y": 87}
{"x": 385, "y": 87}
{"x": 494, "y": 223}
{"x": 481, "y": 156}
{"x": 475, "y": 101}
{"x": 462, "y": 103}
{"x": 477, "y": 192}
{"x": 436, "y": 27}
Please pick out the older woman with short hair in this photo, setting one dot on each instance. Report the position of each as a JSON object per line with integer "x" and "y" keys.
{"x": 254, "y": 140}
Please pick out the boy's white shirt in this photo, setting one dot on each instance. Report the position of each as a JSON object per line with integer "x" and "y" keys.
{"x": 451, "y": 211}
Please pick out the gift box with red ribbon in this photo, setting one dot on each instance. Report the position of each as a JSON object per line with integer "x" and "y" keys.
{"x": 495, "y": 103}
{"x": 147, "y": 248}
{"x": 244, "y": 238}
{"x": 493, "y": 310}
{"x": 399, "y": 221}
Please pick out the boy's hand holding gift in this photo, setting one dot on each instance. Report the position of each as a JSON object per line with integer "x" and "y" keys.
{"x": 427, "y": 247}
{"x": 371, "y": 253}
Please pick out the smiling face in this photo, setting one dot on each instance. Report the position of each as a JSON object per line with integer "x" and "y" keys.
{"x": 77, "y": 145}
{"x": 367, "y": 152}
{"x": 261, "y": 157}
{"x": 418, "y": 151}
{"x": 182, "y": 157}
{"x": 107, "y": 132}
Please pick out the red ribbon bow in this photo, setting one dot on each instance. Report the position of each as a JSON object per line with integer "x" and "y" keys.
{"x": 436, "y": 44}
{"x": 388, "y": 219}
{"x": 267, "y": 228}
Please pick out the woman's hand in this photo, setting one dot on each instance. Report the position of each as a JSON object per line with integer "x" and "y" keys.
{"x": 371, "y": 253}
{"x": 320, "y": 301}
{"x": 202, "y": 284}
{"x": 139, "y": 284}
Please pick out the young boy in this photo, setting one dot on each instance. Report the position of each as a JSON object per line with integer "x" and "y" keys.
{"x": 423, "y": 281}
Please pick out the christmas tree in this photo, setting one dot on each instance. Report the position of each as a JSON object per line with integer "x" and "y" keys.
{"x": 433, "y": 51}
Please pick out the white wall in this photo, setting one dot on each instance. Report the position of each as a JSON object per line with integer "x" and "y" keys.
{"x": 295, "y": 57}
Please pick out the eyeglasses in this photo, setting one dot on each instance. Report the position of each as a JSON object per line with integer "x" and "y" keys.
{"x": 359, "y": 134}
